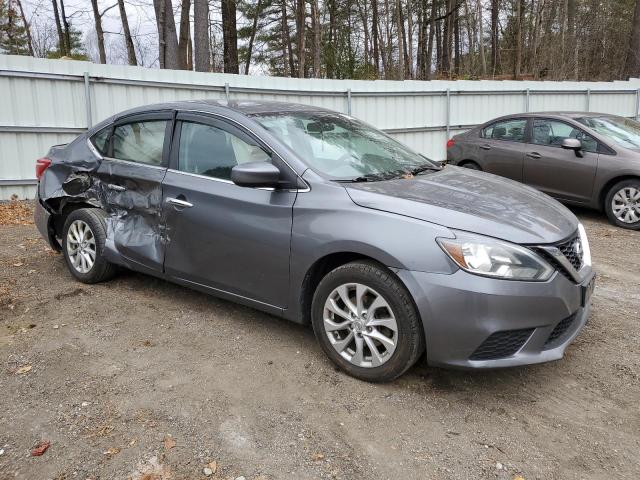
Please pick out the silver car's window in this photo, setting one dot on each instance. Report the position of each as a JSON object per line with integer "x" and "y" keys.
{"x": 506, "y": 130}
{"x": 211, "y": 151}
{"x": 340, "y": 146}
{"x": 140, "y": 142}
{"x": 623, "y": 131}
{"x": 553, "y": 132}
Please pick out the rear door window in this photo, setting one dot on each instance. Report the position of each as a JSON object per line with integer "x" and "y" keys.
{"x": 511, "y": 130}
{"x": 140, "y": 142}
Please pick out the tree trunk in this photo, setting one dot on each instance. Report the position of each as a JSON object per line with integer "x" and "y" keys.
{"x": 201, "y": 35}
{"x": 317, "y": 38}
{"x": 167, "y": 36}
{"x": 67, "y": 30}
{"x": 432, "y": 26}
{"x": 131, "y": 51}
{"x": 27, "y": 28}
{"x": 254, "y": 29}
{"x": 400, "y": 35}
{"x": 374, "y": 33}
{"x": 495, "y": 54}
{"x": 632, "y": 65}
{"x": 99, "y": 32}
{"x": 230, "y": 36}
{"x": 447, "y": 39}
{"x": 62, "y": 46}
{"x": 517, "y": 64}
{"x": 483, "y": 59}
{"x": 456, "y": 38}
{"x": 301, "y": 14}
{"x": 185, "y": 35}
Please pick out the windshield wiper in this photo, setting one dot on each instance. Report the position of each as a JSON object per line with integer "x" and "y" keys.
{"x": 425, "y": 168}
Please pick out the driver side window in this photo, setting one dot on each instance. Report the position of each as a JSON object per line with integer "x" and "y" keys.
{"x": 553, "y": 132}
{"x": 211, "y": 151}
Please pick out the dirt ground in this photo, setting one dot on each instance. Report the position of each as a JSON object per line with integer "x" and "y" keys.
{"x": 138, "y": 378}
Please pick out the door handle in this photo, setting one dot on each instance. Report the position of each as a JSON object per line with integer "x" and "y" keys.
{"x": 116, "y": 188}
{"x": 179, "y": 203}
{"x": 485, "y": 147}
{"x": 533, "y": 155}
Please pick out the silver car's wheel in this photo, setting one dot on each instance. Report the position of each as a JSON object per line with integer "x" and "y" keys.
{"x": 625, "y": 204}
{"x": 360, "y": 325}
{"x": 81, "y": 246}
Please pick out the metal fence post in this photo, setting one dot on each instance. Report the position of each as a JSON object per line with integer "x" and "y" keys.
{"x": 87, "y": 99}
{"x": 637, "y": 104}
{"x": 448, "y": 112}
{"x": 526, "y": 100}
{"x": 226, "y": 91}
{"x": 588, "y": 99}
{"x": 348, "y": 101}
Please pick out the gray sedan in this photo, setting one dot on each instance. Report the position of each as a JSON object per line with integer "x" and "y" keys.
{"x": 319, "y": 218}
{"x": 582, "y": 159}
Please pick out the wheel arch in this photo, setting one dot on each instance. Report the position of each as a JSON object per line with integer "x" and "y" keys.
{"x": 602, "y": 195}
{"x": 61, "y": 209}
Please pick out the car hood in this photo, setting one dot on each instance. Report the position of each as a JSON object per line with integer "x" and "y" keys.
{"x": 473, "y": 201}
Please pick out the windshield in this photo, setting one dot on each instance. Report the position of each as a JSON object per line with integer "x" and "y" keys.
{"x": 343, "y": 148}
{"x": 622, "y": 131}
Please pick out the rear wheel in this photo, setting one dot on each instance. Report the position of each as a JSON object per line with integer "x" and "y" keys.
{"x": 366, "y": 323}
{"x": 471, "y": 165}
{"x": 83, "y": 240}
{"x": 622, "y": 204}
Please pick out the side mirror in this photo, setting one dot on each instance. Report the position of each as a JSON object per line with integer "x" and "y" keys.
{"x": 572, "y": 144}
{"x": 256, "y": 175}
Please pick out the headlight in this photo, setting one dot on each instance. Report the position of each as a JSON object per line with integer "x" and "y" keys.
{"x": 494, "y": 258}
{"x": 586, "y": 251}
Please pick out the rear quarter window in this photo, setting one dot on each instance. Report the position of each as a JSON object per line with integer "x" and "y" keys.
{"x": 100, "y": 140}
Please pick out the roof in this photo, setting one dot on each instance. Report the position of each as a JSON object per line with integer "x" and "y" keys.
{"x": 245, "y": 107}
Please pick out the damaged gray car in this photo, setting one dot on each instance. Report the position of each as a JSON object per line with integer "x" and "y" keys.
{"x": 317, "y": 217}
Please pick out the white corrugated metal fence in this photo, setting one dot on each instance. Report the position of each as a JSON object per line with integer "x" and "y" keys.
{"x": 47, "y": 102}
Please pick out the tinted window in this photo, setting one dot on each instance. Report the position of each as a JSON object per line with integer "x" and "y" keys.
{"x": 508, "y": 130}
{"x": 101, "y": 140}
{"x": 140, "y": 142}
{"x": 211, "y": 151}
{"x": 553, "y": 132}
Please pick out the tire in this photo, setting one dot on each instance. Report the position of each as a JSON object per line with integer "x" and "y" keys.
{"x": 470, "y": 165}
{"x": 622, "y": 204}
{"x": 88, "y": 224}
{"x": 395, "y": 305}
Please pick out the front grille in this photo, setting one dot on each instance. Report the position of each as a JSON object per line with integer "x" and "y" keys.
{"x": 572, "y": 250}
{"x": 573, "y": 253}
{"x": 502, "y": 344}
{"x": 557, "y": 335}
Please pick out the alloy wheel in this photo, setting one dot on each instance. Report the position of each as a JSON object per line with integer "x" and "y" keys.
{"x": 81, "y": 246}
{"x": 626, "y": 205}
{"x": 360, "y": 325}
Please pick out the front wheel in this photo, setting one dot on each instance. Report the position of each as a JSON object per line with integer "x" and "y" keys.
{"x": 366, "y": 323}
{"x": 622, "y": 204}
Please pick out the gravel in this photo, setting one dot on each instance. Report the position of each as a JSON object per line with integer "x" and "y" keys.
{"x": 136, "y": 360}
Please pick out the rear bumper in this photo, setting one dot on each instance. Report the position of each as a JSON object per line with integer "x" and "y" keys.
{"x": 478, "y": 322}
{"x": 42, "y": 219}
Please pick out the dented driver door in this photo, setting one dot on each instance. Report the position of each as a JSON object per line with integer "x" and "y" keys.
{"x": 131, "y": 176}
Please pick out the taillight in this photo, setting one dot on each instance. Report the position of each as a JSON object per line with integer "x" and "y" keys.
{"x": 41, "y": 165}
{"x": 450, "y": 143}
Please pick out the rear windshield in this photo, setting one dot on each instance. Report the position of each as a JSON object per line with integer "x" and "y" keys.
{"x": 622, "y": 131}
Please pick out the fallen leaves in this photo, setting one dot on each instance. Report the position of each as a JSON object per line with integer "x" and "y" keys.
{"x": 111, "y": 452}
{"x": 169, "y": 442}
{"x": 24, "y": 369}
{"x": 16, "y": 212}
{"x": 41, "y": 447}
{"x": 317, "y": 457}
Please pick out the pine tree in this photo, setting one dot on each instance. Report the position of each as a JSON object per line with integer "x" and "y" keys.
{"x": 13, "y": 33}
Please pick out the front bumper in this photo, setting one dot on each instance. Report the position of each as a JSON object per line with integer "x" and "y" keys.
{"x": 478, "y": 322}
